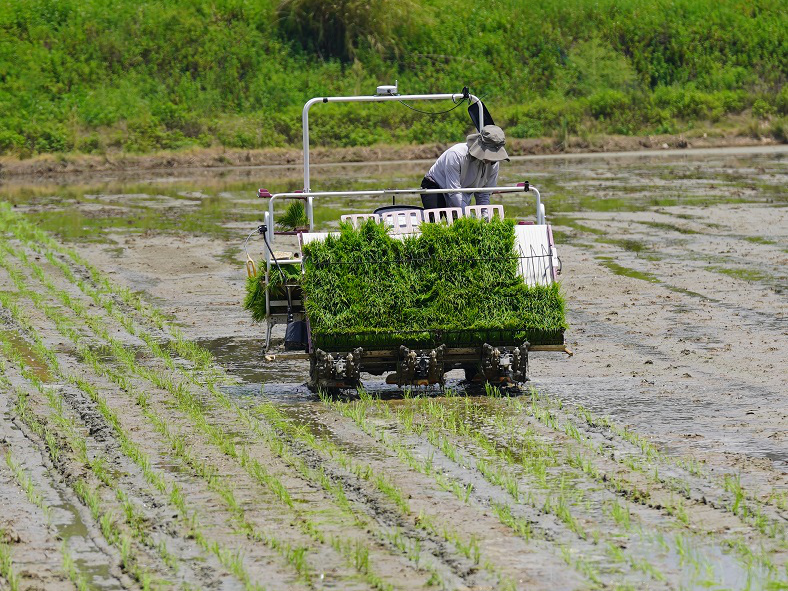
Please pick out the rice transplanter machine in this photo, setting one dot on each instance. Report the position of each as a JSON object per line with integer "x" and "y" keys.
{"x": 491, "y": 356}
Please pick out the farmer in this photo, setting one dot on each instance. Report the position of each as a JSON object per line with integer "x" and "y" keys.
{"x": 470, "y": 164}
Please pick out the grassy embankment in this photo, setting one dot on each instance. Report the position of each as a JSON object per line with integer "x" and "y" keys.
{"x": 146, "y": 76}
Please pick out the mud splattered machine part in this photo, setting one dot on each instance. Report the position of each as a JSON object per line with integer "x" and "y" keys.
{"x": 491, "y": 355}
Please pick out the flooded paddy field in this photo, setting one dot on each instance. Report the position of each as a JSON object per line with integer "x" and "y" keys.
{"x": 148, "y": 443}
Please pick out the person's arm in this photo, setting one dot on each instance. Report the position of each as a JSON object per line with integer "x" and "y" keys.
{"x": 452, "y": 172}
{"x": 484, "y": 198}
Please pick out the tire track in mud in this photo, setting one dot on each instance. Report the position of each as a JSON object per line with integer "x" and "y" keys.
{"x": 35, "y": 520}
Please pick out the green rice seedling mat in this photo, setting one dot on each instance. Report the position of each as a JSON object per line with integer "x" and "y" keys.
{"x": 456, "y": 284}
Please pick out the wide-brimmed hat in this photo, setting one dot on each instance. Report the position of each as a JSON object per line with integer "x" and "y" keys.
{"x": 488, "y": 145}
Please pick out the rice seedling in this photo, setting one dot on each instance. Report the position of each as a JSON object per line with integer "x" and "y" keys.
{"x": 96, "y": 465}
{"x": 7, "y": 570}
{"x": 194, "y": 407}
{"x": 620, "y": 514}
{"x": 365, "y": 288}
{"x": 294, "y": 217}
{"x": 24, "y": 481}
{"x": 521, "y": 526}
{"x": 733, "y": 485}
{"x": 779, "y": 499}
{"x": 72, "y": 572}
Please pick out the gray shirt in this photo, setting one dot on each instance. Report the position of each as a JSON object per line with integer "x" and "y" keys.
{"x": 455, "y": 169}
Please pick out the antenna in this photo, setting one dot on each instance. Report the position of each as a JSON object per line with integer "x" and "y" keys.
{"x": 388, "y": 90}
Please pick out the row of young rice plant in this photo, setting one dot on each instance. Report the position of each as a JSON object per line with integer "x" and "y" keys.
{"x": 160, "y": 352}
{"x": 507, "y": 456}
{"x": 230, "y": 558}
{"x": 383, "y": 483}
{"x": 25, "y": 482}
{"x": 190, "y": 403}
{"x": 8, "y": 570}
{"x": 648, "y": 465}
{"x": 64, "y": 440}
{"x": 444, "y": 418}
{"x": 64, "y": 298}
{"x": 42, "y": 242}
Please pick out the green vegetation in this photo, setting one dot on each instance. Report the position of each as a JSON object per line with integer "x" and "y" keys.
{"x": 7, "y": 569}
{"x": 293, "y": 218}
{"x": 453, "y": 284}
{"x": 92, "y": 76}
{"x": 356, "y": 554}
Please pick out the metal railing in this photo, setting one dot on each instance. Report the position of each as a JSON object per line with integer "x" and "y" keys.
{"x": 308, "y": 197}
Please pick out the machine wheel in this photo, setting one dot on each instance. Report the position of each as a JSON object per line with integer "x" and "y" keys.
{"x": 471, "y": 371}
{"x": 332, "y": 388}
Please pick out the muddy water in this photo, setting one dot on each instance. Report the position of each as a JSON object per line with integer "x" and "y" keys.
{"x": 674, "y": 269}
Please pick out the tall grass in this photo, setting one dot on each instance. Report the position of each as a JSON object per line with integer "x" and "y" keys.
{"x": 147, "y": 75}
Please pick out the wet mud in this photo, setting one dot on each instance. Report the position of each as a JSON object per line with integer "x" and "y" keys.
{"x": 148, "y": 442}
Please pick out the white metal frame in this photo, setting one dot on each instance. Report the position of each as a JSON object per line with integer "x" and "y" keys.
{"x": 308, "y": 197}
{"x": 369, "y": 99}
